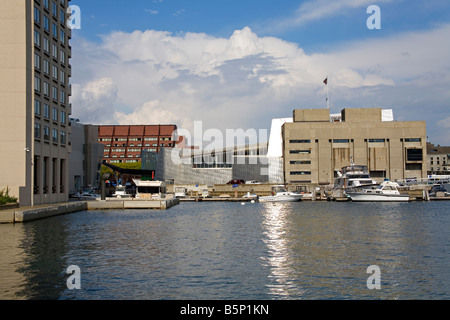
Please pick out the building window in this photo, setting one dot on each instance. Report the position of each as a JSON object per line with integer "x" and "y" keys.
{"x": 62, "y": 97}
{"x": 37, "y": 131}
{"x": 63, "y": 137}
{"x": 37, "y": 15}
{"x": 62, "y": 36}
{"x": 37, "y": 38}
{"x": 37, "y": 84}
{"x": 54, "y": 9}
{"x": 299, "y": 141}
{"x": 46, "y": 45}
{"x": 63, "y": 117}
{"x": 301, "y": 162}
{"x": 55, "y": 114}
{"x": 54, "y": 30}
{"x": 55, "y": 93}
{"x": 62, "y": 56}
{"x": 413, "y": 140}
{"x": 46, "y": 88}
{"x": 62, "y": 77}
{"x": 37, "y": 107}
{"x": 37, "y": 61}
{"x": 299, "y": 151}
{"x": 55, "y": 135}
{"x": 300, "y": 173}
{"x": 46, "y": 133}
{"x": 46, "y": 23}
{"x": 341, "y": 141}
{"x": 46, "y": 67}
{"x": 46, "y": 111}
{"x": 55, "y": 72}
{"x": 377, "y": 140}
{"x": 414, "y": 155}
{"x": 62, "y": 17}
{"x": 55, "y": 51}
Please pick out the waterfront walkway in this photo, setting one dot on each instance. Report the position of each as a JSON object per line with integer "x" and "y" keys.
{"x": 26, "y": 214}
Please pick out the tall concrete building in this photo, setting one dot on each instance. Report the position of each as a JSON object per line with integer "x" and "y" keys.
{"x": 34, "y": 100}
{"x": 316, "y": 145}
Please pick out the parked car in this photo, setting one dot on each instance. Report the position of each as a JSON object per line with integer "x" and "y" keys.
{"x": 236, "y": 181}
{"x": 253, "y": 182}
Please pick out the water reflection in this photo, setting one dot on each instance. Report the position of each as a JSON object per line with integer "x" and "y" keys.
{"x": 32, "y": 264}
{"x": 12, "y": 281}
{"x": 279, "y": 257}
{"x": 228, "y": 251}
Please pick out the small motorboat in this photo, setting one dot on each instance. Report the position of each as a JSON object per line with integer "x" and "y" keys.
{"x": 280, "y": 194}
{"x": 121, "y": 192}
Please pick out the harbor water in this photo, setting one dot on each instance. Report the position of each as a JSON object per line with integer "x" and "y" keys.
{"x": 231, "y": 251}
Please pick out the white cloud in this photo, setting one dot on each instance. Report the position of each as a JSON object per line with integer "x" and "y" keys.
{"x": 245, "y": 80}
{"x": 319, "y": 9}
{"x": 151, "y": 11}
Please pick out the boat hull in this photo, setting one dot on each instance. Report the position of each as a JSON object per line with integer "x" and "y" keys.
{"x": 362, "y": 197}
{"x": 281, "y": 198}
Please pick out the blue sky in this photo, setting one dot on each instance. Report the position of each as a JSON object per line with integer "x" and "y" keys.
{"x": 265, "y": 17}
{"x": 156, "y": 60}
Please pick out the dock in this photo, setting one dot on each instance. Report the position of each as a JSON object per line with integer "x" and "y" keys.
{"x": 26, "y": 214}
{"x": 16, "y": 214}
{"x": 132, "y": 204}
{"x": 217, "y": 199}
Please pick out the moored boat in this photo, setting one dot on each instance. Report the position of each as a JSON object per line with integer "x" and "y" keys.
{"x": 121, "y": 192}
{"x": 280, "y": 194}
{"x": 386, "y": 191}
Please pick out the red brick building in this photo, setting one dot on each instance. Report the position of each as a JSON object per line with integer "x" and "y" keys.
{"x": 124, "y": 144}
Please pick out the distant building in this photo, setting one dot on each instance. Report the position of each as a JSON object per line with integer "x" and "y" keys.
{"x": 316, "y": 145}
{"x": 198, "y": 167}
{"x": 438, "y": 159}
{"x": 125, "y": 144}
{"x": 86, "y": 157}
{"x": 34, "y": 100}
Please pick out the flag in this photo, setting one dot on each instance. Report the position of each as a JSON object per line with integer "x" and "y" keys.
{"x": 325, "y": 81}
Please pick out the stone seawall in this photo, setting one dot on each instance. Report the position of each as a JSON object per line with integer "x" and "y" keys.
{"x": 26, "y": 214}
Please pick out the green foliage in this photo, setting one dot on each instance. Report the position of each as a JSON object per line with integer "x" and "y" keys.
{"x": 6, "y": 198}
{"x": 134, "y": 165}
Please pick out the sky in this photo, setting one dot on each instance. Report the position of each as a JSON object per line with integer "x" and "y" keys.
{"x": 239, "y": 64}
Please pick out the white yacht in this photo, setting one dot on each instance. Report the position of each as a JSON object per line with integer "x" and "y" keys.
{"x": 351, "y": 178}
{"x": 121, "y": 192}
{"x": 280, "y": 194}
{"x": 386, "y": 191}
{"x": 354, "y": 176}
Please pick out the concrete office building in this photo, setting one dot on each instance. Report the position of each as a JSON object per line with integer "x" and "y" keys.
{"x": 186, "y": 166}
{"x": 34, "y": 100}
{"x": 86, "y": 157}
{"x": 316, "y": 145}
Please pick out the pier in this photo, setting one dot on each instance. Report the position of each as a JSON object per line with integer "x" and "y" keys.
{"x": 16, "y": 214}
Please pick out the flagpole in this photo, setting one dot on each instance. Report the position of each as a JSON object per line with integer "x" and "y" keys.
{"x": 328, "y": 97}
